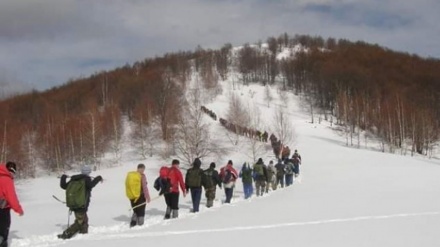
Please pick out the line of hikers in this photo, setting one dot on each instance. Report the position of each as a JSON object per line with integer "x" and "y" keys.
{"x": 169, "y": 183}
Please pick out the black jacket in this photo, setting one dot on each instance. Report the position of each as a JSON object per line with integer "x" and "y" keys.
{"x": 90, "y": 184}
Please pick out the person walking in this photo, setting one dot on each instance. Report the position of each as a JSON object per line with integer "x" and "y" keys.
{"x": 296, "y": 160}
{"x": 210, "y": 183}
{"x": 174, "y": 178}
{"x": 8, "y": 200}
{"x": 280, "y": 173}
{"x": 271, "y": 180}
{"x": 138, "y": 194}
{"x": 78, "y": 193}
{"x": 228, "y": 175}
{"x": 260, "y": 177}
{"x": 290, "y": 171}
{"x": 246, "y": 178}
{"x": 193, "y": 182}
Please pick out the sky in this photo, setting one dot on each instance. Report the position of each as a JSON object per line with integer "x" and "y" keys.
{"x": 46, "y": 43}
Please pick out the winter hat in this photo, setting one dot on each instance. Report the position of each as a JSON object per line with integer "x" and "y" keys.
{"x": 230, "y": 162}
{"x": 260, "y": 161}
{"x": 212, "y": 165}
{"x": 86, "y": 170}
{"x": 197, "y": 163}
{"x": 11, "y": 166}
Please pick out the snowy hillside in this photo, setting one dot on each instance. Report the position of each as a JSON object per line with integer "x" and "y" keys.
{"x": 345, "y": 197}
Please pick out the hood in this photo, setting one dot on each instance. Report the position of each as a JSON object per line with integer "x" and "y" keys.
{"x": 4, "y": 171}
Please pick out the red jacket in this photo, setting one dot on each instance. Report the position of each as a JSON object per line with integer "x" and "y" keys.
{"x": 176, "y": 179}
{"x": 7, "y": 190}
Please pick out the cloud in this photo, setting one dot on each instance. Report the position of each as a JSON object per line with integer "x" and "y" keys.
{"x": 49, "y": 42}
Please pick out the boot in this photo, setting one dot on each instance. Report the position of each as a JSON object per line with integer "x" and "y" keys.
{"x": 3, "y": 242}
{"x": 140, "y": 221}
{"x": 175, "y": 213}
{"x": 133, "y": 221}
{"x": 168, "y": 213}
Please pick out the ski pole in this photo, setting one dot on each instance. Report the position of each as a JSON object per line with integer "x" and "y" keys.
{"x": 58, "y": 199}
{"x": 133, "y": 208}
{"x": 68, "y": 218}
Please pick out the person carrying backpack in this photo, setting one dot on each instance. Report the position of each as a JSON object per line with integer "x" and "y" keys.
{"x": 296, "y": 160}
{"x": 138, "y": 194}
{"x": 171, "y": 192}
{"x": 228, "y": 175}
{"x": 271, "y": 180}
{"x": 78, "y": 193}
{"x": 193, "y": 182}
{"x": 290, "y": 170}
{"x": 246, "y": 178}
{"x": 210, "y": 183}
{"x": 8, "y": 200}
{"x": 280, "y": 173}
{"x": 260, "y": 177}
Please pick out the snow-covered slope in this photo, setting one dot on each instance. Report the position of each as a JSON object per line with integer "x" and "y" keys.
{"x": 344, "y": 197}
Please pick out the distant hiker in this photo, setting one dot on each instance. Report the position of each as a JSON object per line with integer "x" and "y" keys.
{"x": 290, "y": 170}
{"x": 193, "y": 182}
{"x": 271, "y": 180}
{"x": 8, "y": 200}
{"x": 174, "y": 180}
{"x": 246, "y": 178}
{"x": 138, "y": 194}
{"x": 296, "y": 160}
{"x": 280, "y": 168}
{"x": 260, "y": 177}
{"x": 78, "y": 193}
{"x": 210, "y": 183}
{"x": 228, "y": 175}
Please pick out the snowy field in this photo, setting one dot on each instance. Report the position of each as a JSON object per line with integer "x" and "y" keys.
{"x": 345, "y": 197}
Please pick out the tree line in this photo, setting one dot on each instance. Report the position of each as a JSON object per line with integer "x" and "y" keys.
{"x": 368, "y": 89}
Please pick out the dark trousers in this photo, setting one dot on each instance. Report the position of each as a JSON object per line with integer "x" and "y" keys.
{"x": 172, "y": 200}
{"x": 289, "y": 179}
{"x": 280, "y": 180}
{"x": 196, "y": 195}
{"x": 210, "y": 196}
{"x": 296, "y": 169}
{"x": 138, "y": 211}
{"x": 229, "y": 192}
{"x": 5, "y": 224}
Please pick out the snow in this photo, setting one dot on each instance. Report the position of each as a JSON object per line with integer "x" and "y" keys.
{"x": 344, "y": 197}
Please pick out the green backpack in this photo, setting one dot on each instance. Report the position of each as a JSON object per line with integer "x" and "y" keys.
{"x": 259, "y": 170}
{"x": 76, "y": 194}
{"x": 208, "y": 182}
{"x": 194, "y": 178}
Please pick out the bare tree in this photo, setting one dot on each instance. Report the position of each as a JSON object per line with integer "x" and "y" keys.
{"x": 193, "y": 139}
{"x": 283, "y": 128}
{"x": 256, "y": 147}
{"x": 237, "y": 116}
{"x": 29, "y": 148}
{"x": 268, "y": 95}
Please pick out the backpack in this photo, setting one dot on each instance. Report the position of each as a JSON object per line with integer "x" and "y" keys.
{"x": 246, "y": 175}
{"x": 289, "y": 168}
{"x": 76, "y": 194}
{"x": 133, "y": 185}
{"x": 259, "y": 170}
{"x": 208, "y": 182}
{"x": 164, "y": 181}
{"x": 193, "y": 178}
{"x": 227, "y": 177}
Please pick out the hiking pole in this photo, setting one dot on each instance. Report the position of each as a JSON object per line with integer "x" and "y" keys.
{"x": 140, "y": 205}
{"x": 68, "y": 218}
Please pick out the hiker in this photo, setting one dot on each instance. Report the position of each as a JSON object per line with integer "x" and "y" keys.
{"x": 8, "y": 200}
{"x": 138, "y": 194}
{"x": 296, "y": 160}
{"x": 260, "y": 177}
{"x": 78, "y": 193}
{"x": 246, "y": 178}
{"x": 280, "y": 168}
{"x": 193, "y": 182}
{"x": 174, "y": 179}
{"x": 210, "y": 183}
{"x": 228, "y": 175}
{"x": 271, "y": 180}
{"x": 290, "y": 170}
